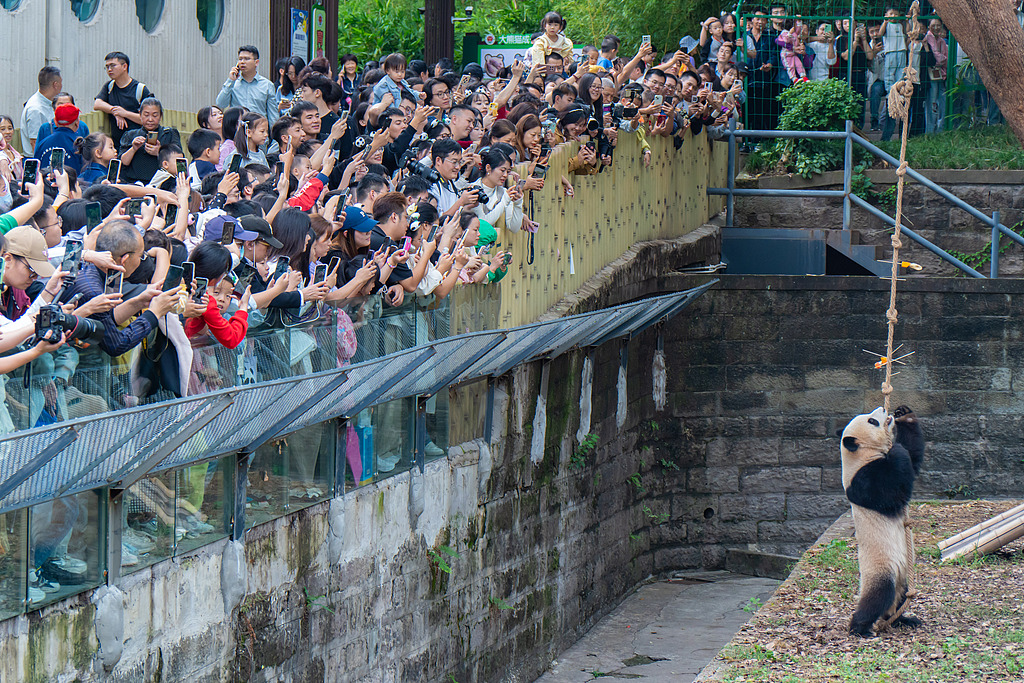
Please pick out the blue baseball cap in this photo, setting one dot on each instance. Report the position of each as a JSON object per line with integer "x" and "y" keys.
{"x": 358, "y": 220}
{"x": 214, "y": 229}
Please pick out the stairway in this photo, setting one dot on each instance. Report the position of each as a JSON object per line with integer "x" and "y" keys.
{"x": 799, "y": 251}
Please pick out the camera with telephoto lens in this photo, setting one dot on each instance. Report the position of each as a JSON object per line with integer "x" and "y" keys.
{"x": 52, "y": 322}
{"x": 409, "y": 163}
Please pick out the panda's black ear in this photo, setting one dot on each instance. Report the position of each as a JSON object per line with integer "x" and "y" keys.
{"x": 850, "y": 443}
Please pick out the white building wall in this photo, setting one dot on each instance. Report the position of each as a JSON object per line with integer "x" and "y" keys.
{"x": 175, "y": 61}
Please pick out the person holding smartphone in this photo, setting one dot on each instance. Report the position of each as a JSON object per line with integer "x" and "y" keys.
{"x": 63, "y": 137}
{"x": 213, "y": 262}
{"x": 140, "y": 147}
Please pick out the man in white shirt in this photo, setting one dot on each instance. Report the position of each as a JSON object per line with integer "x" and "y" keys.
{"x": 39, "y": 108}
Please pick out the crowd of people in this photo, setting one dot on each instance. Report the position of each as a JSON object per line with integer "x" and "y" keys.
{"x": 396, "y": 178}
{"x": 780, "y": 50}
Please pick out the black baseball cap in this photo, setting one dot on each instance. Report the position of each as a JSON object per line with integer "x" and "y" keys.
{"x": 262, "y": 228}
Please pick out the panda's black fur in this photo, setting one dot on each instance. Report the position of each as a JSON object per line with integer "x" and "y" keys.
{"x": 881, "y": 457}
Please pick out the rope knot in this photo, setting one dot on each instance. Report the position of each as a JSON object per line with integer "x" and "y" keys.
{"x": 890, "y": 315}
{"x": 896, "y": 243}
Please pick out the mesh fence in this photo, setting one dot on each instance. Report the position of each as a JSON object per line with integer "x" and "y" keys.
{"x": 815, "y": 41}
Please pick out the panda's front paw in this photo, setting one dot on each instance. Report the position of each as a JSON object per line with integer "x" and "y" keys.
{"x": 904, "y": 414}
{"x": 861, "y": 629}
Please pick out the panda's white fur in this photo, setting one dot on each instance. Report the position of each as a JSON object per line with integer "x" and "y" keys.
{"x": 885, "y": 542}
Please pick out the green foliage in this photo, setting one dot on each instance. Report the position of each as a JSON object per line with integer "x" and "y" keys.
{"x": 980, "y": 147}
{"x": 578, "y": 460}
{"x": 635, "y": 480}
{"x": 978, "y": 259}
{"x": 498, "y": 603}
{"x": 371, "y": 29}
{"x": 959, "y": 491}
{"x": 437, "y": 557}
{"x": 668, "y": 464}
{"x": 656, "y": 518}
{"x": 314, "y": 601}
{"x": 752, "y": 605}
{"x": 814, "y": 105}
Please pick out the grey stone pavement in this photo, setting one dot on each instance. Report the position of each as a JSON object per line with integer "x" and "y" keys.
{"x": 666, "y": 631}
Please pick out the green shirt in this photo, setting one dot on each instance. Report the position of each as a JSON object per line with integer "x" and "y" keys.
{"x": 7, "y": 223}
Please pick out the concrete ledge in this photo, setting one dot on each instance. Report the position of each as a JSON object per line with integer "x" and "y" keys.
{"x": 833, "y": 283}
{"x": 764, "y": 565}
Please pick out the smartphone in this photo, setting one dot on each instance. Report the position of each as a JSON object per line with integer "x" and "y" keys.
{"x": 660, "y": 119}
{"x": 92, "y": 216}
{"x": 243, "y": 282}
{"x": 507, "y": 258}
{"x": 173, "y": 278}
{"x": 200, "y": 289}
{"x": 171, "y": 214}
{"x": 645, "y": 39}
{"x": 332, "y": 267}
{"x": 135, "y": 207}
{"x": 31, "y": 170}
{"x": 112, "y": 285}
{"x": 406, "y": 245}
{"x": 279, "y": 168}
{"x": 320, "y": 272}
{"x": 182, "y": 166}
{"x": 114, "y": 172}
{"x": 281, "y": 268}
{"x": 57, "y": 159}
{"x": 228, "y": 235}
{"x": 188, "y": 272}
{"x": 658, "y": 101}
{"x": 72, "y": 258}
{"x": 463, "y": 82}
{"x": 540, "y": 170}
{"x": 432, "y": 233}
{"x": 152, "y": 136}
{"x": 235, "y": 163}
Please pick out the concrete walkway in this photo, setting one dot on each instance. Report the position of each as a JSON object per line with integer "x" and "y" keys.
{"x": 666, "y": 631}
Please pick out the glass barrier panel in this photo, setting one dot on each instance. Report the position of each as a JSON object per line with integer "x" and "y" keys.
{"x": 205, "y": 501}
{"x": 310, "y": 454}
{"x": 67, "y": 546}
{"x": 267, "y": 488}
{"x": 13, "y": 565}
{"x": 153, "y": 521}
{"x": 393, "y": 442}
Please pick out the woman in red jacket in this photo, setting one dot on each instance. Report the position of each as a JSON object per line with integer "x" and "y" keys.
{"x": 213, "y": 261}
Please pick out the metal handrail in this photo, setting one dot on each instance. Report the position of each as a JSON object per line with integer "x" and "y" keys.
{"x": 849, "y": 197}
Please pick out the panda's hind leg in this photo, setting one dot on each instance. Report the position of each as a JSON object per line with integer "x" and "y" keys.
{"x": 877, "y": 597}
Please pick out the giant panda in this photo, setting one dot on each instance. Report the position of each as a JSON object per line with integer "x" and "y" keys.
{"x": 881, "y": 457}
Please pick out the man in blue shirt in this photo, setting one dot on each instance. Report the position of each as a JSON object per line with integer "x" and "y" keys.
{"x": 247, "y": 89}
{"x": 64, "y": 134}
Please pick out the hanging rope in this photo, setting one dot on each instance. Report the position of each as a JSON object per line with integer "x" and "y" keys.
{"x": 899, "y": 108}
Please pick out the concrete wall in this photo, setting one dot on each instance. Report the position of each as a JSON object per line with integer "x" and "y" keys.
{"x": 925, "y": 212}
{"x": 175, "y": 61}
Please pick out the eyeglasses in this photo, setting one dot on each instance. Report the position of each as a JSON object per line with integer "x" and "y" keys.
{"x": 44, "y": 228}
{"x": 27, "y": 266}
{"x": 444, "y": 136}
{"x": 442, "y": 93}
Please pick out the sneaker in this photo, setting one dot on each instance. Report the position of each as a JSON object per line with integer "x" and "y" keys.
{"x": 386, "y": 463}
{"x": 42, "y": 584}
{"x": 140, "y": 542}
{"x": 432, "y": 450}
{"x": 35, "y": 594}
{"x": 70, "y": 564}
{"x": 128, "y": 558}
{"x": 51, "y": 572}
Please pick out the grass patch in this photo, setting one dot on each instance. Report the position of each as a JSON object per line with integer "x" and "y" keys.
{"x": 979, "y": 147}
{"x": 973, "y": 617}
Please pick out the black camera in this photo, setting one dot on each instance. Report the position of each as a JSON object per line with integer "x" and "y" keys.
{"x": 409, "y": 163}
{"x": 52, "y": 322}
{"x": 621, "y": 111}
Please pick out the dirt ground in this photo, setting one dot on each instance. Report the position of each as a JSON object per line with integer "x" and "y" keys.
{"x": 972, "y": 609}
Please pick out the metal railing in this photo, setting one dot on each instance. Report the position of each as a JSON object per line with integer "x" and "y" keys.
{"x": 730, "y": 191}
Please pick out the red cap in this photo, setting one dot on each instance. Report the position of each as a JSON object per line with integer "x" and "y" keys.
{"x": 65, "y": 114}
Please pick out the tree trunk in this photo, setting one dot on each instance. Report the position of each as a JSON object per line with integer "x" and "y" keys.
{"x": 992, "y": 38}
